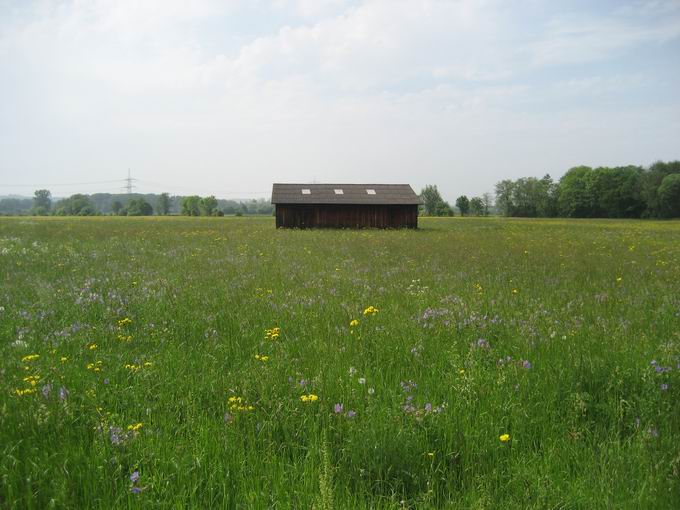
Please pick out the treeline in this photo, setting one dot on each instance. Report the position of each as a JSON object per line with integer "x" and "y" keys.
{"x": 133, "y": 204}
{"x": 603, "y": 192}
{"x": 434, "y": 205}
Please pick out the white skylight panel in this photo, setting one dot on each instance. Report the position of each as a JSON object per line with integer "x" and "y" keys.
{"x": 339, "y": 192}
{"x": 370, "y": 191}
{"x": 306, "y": 191}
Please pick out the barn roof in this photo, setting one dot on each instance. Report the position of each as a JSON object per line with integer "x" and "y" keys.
{"x": 354, "y": 194}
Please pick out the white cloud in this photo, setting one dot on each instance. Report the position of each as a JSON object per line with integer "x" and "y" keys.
{"x": 456, "y": 93}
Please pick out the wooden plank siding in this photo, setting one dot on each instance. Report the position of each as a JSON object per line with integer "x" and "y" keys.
{"x": 346, "y": 216}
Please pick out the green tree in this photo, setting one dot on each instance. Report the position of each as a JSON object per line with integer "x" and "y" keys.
{"x": 651, "y": 180}
{"x": 463, "y": 204}
{"x": 139, "y": 207}
{"x": 431, "y": 199}
{"x": 191, "y": 206}
{"x": 487, "y": 199}
{"x": 76, "y": 205}
{"x": 443, "y": 209}
{"x": 616, "y": 192}
{"x": 477, "y": 206}
{"x": 504, "y": 192}
{"x": 42, "y": 202}
{"x": 163, "y": 204}
{"x": 117, "y": 207}
{"x": 208, "y": 205}
{"x": 574, "y": 196}
{"x": 669, "y": 196}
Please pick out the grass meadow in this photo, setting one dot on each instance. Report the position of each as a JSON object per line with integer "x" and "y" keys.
{"x": 221, "y": 363}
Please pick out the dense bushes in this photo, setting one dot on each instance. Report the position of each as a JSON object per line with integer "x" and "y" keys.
{"x": 604, "y": 192}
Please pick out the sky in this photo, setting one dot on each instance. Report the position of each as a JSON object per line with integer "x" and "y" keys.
{"x": 227, "y": 97}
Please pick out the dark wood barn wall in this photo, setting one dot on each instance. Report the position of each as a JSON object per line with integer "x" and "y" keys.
{"x": 346, "y": 216}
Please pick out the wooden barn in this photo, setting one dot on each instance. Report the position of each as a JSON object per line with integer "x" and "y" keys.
{"x": 345, "y": 206}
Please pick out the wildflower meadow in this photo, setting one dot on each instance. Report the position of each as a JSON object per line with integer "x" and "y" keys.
{"x": 221, "y": 363}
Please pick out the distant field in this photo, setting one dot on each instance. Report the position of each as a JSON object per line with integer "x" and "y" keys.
{"x": 506, "y": 364}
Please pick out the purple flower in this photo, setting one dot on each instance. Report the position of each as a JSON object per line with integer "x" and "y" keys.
{"x": 134, "y": 477}
{"x": 482, "y": 343}
{"x": 526, "y": 364}
{"x": 664, "y": 387}
{"x": 63, "y": 393}
{"x": 46, "y": 390}
{"x": 351, "y": 414}
{"x": 106, "y": 380}
{"x": 428, "y": 408}
{"x": 337, "y": 409}
{"x": 135, "y": 490}
{"x": 228, "y": 418}
{"x": 115, "y": 435}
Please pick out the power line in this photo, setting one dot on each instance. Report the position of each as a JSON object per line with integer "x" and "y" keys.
{"x": 59, "y": 185}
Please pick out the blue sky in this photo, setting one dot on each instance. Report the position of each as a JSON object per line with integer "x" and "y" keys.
{"x": 227, "y": 97}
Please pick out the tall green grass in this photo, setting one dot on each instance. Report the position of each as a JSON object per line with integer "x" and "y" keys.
{"x": 565, "y": 335}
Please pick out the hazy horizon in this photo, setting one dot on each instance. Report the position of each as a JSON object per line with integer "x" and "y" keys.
{"x": 226, "y": 97}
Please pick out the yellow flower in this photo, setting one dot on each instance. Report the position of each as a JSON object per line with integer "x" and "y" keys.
{"x": 92, "y": 346}
{"x": 272, "y": 334}
{"x": 30, "y": 357}
{"x": 28, "y": 391}
{"x": 135, "y": 427}
{"x": 63, "y": 359}
{"x": 309, "y": 398}
{"x": 504, "y": 438}
{"x": 461, "y": 371}
{"x": 371, "y": 310}
{"x": 32, "y": 379}
{"x": 619, "y": 279}
{"x": 353, "y": 323}
{"x": 515, "y": 291}
{"x": 261, "y": 357}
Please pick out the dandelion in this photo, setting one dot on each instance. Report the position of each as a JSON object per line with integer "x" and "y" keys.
{"x": 272, "y": 334}
{"x": 309, "y": 398}
{"x": 239, "y": 404}
{"x": 30, "y": 357}
{"x": 371, "y": 391}
{"x": 63, "y": 359}
{"x": 21, "y": 393}
{"x": 362, "y": 380}
{"x": 515, "y": 291}
{"x": 262, "y": 358}
{"x": 92, "y": 346}
{"x": 124, "y": 322}
{"x": 504, "y": 438}
{"x": 353, "y": 323}
{"x": 371, "y": 310}
{"x": 32, "y": 379}
{"x": 135, "y": 427}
